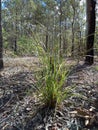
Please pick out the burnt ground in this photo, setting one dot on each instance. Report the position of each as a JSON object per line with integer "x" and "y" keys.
{"x": 20, "y": 108}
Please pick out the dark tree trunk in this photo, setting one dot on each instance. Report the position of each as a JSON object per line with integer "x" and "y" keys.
{"x": 15, "y": 41}
{"x": 60, "y": 38}
{"x": 64, "y": 40}
{"x": 1, "y": 43}
{"x": 46, "y": 42}
{"x": 72, "y": 48}
{"x": 15, "y": 45}
{"x": 90, "y": 31}
{"x": 73, "y": 30}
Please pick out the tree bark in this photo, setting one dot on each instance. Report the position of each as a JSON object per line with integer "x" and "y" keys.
{"x": 60, "y": 38}
{"x": 73, "y": 30}
{"x": 91, "y": 18}
{"x": 1, "y": 42}
{"x": 15, "y": 40}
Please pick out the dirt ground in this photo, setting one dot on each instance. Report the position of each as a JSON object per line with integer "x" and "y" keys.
{"x": 20, "y": 110}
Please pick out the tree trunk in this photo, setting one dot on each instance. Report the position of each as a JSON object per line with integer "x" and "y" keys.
{"x": 90, "y": 31}
{"x": 72, "y": 48}
{"x": 64, "y": 40}
{"x": 1, "y": 43}
{"x": 73, "y": 30}
{"x": 46, "y": 42}
{"x": 15, "y": 41}
{"x": 60, "y": 38}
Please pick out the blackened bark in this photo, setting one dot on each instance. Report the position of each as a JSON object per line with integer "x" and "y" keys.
{"x": 72, "y": 48}
{"x": 15, "y": 41}
{"x": 73, "y": 33}
{"x": 91, "y": 18}
{"x": 60, "y": 38}
{"x": 46, "y": 46}
{"x": 1, "y": 43}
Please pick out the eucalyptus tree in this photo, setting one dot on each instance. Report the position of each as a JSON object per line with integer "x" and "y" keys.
{"x": 18, "y": 18}
{"x": 1, "y": 42}
{"x": 54, "y": 21}
{"x": 11, "y": 21}
{"x": 91, "y": 21}
{"x": 73, "y": 19}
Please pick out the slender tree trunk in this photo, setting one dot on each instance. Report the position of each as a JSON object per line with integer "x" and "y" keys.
{"x": 72, "y": 48}
{"x": 79, "y": 43}
{"x": 46, "y": 47}
{"x": 64, "y": 40}
{"x": 73, "y": 22}
{"x": 46, "y": 40}
{"x": 60, "y": 38}
{"x": 1, "y": 42}
{"x": 90, "y": 31}
{"x": 15, "y": 42}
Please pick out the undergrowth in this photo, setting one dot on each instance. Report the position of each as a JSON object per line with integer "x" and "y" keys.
{"x": 52, "y": 78}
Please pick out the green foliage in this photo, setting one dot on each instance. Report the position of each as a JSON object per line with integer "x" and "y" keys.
{"x": 22, "y": 18}
{"x": 96, "y": 68}
{"x": 52, "y": 79}
{"x": 25, "y": 46}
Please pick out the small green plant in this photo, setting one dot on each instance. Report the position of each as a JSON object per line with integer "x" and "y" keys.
{"x": 52, "y": 79}
{"x": 54, "y": 76}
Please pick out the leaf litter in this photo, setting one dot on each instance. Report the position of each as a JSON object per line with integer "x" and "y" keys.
{"x": 22, "y": 111}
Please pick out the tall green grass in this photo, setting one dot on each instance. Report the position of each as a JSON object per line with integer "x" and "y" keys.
{"x": 53, "y": 77}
